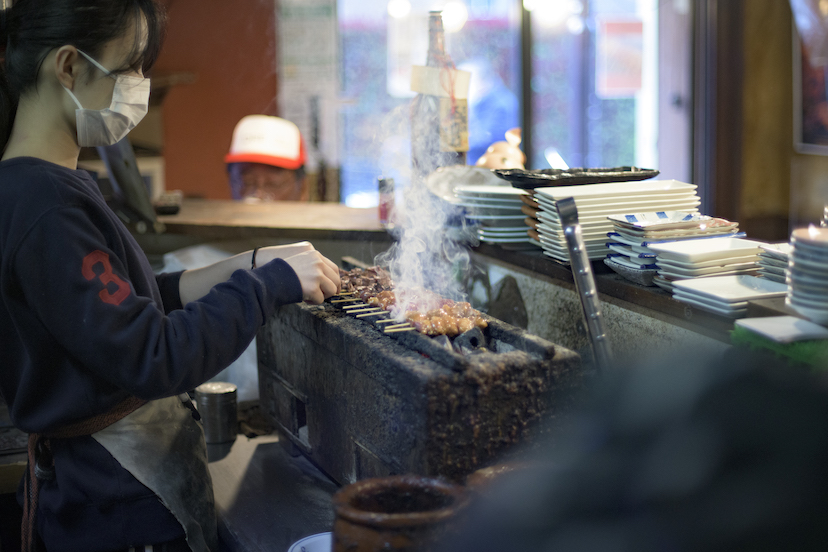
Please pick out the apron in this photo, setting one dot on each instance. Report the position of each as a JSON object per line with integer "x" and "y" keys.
{"x": 163, "y": 447}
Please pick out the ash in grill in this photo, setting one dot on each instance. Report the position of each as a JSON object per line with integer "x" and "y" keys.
{"x": 360, "y": 402}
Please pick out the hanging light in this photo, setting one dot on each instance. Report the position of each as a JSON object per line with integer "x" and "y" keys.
{"x": 399, "y": 9}
{"x": 455, "y": 15}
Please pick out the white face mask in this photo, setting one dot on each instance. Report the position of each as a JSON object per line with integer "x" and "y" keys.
{"x": 104, "y": 127}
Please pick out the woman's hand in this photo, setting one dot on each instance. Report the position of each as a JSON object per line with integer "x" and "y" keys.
{"x": 266, "y": 254}
{"x": 319, "y": 276}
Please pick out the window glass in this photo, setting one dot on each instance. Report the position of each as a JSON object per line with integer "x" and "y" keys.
{"x": 594, "y": 83}
{"x": 380, "y": 40}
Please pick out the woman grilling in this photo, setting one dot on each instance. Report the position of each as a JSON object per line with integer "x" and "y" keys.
{"x": 96, "y": 348}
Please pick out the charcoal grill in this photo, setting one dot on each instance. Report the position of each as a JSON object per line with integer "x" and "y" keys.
{"x": 360, "y": 403}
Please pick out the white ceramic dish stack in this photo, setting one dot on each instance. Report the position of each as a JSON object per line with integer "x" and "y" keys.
{"x": 595, "y": 202}
{"x": 726, "y": 295}
{"x": 773, "y": 261}
{"x": 629, "y": 252}
{"x": 704, "y": 258}
{"x": 807, "y": 275}
{"x": 496, "y": 212}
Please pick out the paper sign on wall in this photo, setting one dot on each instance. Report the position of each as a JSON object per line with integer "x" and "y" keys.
{"x": 619, "y": 58}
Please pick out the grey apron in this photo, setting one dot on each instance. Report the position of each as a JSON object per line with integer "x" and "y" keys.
{"x": 163, "y": 447}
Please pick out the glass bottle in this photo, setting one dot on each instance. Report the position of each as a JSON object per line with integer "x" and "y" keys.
{"x": 439, "y": 125}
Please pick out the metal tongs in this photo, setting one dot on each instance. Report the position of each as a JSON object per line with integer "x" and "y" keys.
{"x": 585, "y": 283}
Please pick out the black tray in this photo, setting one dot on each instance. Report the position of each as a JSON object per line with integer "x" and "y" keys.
{"x": 529, "y": 180}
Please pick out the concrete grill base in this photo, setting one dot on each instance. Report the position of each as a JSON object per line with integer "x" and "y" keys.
{"x": 360, "y": 403}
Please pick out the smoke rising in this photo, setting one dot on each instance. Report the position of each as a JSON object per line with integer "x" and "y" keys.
{"x": 426, "y": 257}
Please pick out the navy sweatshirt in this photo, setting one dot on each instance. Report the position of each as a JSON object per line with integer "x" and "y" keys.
{"x": 84, "y": 323}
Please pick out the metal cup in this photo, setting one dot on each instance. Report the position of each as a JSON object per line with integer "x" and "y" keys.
{"x": 216, "y": 402}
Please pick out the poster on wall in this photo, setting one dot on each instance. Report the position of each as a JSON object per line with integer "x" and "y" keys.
{"x": 619, "y": 58}
{"x": 810, "y": 103}
{"x": 308, "y": 75}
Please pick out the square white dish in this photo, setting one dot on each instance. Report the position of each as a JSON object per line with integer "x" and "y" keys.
{"x": 586, "y": 232}
{"x": 624, "y": 207}
{"x": 679, "y": 293}
{"x": 766, "y": 260}
{"x": 687, "y": 205}
{"x": 561, "y": 246}
{"x": 563, "y": 254}
{"x": 679, "y": 275}
{"x": 630, "y": 252}
{"x": 639, "y": 264}
{"x": 708, "y": 264}
{"x": 777, "y": 250}
{"x": 784, "y": 329}
{"x": 666, "y": 220}
{"x": 737, "y": 313}
{"x": 670, "y": 235}
{"x": 645, "y": 202}
{"x": 772, "y": 269}
{"x": 707, "y": 249}
{"x": 733, "y": 289}
{"x": 524, "y": 239}
{"x": 614, "y": 189}
{"x": 772, "y": 277}
{"x": 707, "y": 271}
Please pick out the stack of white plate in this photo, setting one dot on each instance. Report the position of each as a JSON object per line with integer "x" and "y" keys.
{"x": 630, "y": 254}
{"x": 705, "y": 257}
{"x": 595, "y": 202}
{"x": 495, "y": 210}
{"x": 808, "y": 274}
{"x": 773, "y": 261}
{"x": 726, "y": 295}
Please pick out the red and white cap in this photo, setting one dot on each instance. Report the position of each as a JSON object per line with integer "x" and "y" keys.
{"x": 269, "y": 140}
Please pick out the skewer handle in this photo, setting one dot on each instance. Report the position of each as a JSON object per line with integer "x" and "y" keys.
{"x": 364, "y": 314}
{"x": 398, "y": 330}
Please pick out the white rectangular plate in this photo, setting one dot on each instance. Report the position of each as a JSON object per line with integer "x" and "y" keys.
{"x": 737, "y": 313}
{"x": 784, "y": 329}
{"x": 732, "y": 289}
{"x": 615, "y": 189}
{"x": 707, "y": 249}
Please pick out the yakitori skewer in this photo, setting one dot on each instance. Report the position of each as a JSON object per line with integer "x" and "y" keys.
{"x": 394, "y": 326}
{"x": 367, "y": 309}
{"x": 356, "y": 306}
{"x": 386, "y": 321}
{"x": 398, "y": 330}
{"x": 377, "y": 313}
{"x": 346, "y": 300}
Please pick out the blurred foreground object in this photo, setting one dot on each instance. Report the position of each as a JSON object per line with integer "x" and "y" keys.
{"x": 680, "y": 455}
{"x": 504, "y": 154}
{"x": 266, "y": 160}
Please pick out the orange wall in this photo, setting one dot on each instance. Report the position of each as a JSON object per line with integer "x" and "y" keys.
{"x": 230, "y": 49}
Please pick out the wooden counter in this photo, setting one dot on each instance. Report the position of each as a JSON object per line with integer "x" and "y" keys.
{"x": 228, "y": 219}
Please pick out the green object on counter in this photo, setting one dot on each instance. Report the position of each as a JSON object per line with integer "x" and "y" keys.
{"x": 812, "y": 353}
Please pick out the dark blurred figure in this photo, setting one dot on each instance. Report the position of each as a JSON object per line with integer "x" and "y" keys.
{"x": 676, "y": 457}
{"x": 266, "y": 160}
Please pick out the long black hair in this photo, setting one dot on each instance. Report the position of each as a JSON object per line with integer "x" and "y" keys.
{"x": 30, "y": 29}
